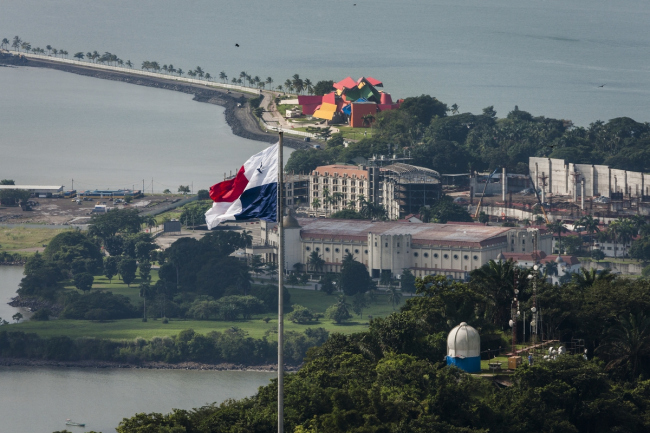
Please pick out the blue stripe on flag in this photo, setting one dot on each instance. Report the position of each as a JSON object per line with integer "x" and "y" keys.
{"x": 260, "y": 202}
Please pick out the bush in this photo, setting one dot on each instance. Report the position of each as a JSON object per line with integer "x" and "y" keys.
{"x": 300, "y": 314}
{"x": 116, "y": 306}
{"x": 41, "y": 315}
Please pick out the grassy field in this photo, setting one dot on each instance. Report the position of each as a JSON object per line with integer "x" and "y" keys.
{"x": 317, "y": 301}
{"x": 355, "y": 133}
{"x": 15, "y": 239}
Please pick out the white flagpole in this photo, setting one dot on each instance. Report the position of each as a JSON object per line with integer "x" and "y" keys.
{"x": 280, "y": 289}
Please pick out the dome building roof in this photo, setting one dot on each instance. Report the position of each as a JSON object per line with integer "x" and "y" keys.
{"x": 463, "y": 342}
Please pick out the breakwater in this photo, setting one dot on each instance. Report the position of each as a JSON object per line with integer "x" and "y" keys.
{"x": 238, "y": 115}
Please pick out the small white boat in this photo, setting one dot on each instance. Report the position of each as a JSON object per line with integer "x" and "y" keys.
{"x": 77, "y": 424}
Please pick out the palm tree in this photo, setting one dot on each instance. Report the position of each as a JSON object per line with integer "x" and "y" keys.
{"x": 16, "y": 43}
{"x": 243, "y": 75}
{"x": 223, "y": 77}
{"x": 620, "y": 230}
{"x": 269, "y": 81}
{"x": 495, "y": 281}
{"x": 287, "y": 84}
{"x": 315, "y": 203}
{"x": 208, "y": 76}
{"x": 164, "y": 68}
{"x": 180, "y": 72}
{"x": 557, "y": 227}
{"x": 309, "y": 86}
{"x": 26, "y": 46}
{"x": 316, "y": 262}
{"x": 171, "y": 69}
{"x": 79, "y": 55}
{"x": 49, "y": 48}
{"x": 591, "y": 226}
{"x": 326, "y": 197}
{"x": 234, "y": 80}
{"x": 257, "y": 80}
{"x": 4, "y": 43}
{"x": 587, "y": 278}
{"x": 337, "y": 197}
{"x": 639, "y": 223}
{"x": 454, "y": 109}
{"x": 298, "y": 84}
{"x": 628, "y": 344}
{"x": 199, "y": 72}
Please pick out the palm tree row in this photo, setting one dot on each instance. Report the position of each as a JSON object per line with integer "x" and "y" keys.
{"x": 111, "y": 59}
{"x": 20, "y": 45}
{"x": 298, "y": 85}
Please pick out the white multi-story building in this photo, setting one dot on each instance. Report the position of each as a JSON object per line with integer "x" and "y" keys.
{"x": 425, "y": 249}
{"x": 347, "y": 181}
{"x": 401, "y": 188}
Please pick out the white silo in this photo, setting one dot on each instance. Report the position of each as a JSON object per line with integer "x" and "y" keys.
{"x": 464, "y": 348}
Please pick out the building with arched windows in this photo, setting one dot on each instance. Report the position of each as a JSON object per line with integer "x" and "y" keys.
{"x": 425, "y": 249}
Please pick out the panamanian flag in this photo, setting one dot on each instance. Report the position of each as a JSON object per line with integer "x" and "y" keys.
{"x": 252, "y": 193}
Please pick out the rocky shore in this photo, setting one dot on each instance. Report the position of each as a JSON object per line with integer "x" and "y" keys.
{"x": 25, "y": 362}
{"x": 34, "y": 304}
{"x": 240, "y": 119}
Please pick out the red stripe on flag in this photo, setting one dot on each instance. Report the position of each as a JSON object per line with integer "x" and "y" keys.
{"x": 229, "y": 190}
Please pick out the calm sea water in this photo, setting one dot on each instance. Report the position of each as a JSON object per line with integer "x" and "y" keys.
{"x": 57, "y": 126}
{"x": 40, "y": 399}
{"x": 546, "y": 56}
{"x": 10, "y": 277}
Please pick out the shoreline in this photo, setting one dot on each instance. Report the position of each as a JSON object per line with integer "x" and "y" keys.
{"x": 241, "y": 121}
{"x": 27, "y": 362}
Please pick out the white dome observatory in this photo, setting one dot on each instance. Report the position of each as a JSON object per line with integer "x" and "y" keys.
{"x": 464, "y": 348}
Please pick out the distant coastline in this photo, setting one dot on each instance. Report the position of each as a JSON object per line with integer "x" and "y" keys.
{"x": 26, "y": 362}
{"x": 241, "y": 121}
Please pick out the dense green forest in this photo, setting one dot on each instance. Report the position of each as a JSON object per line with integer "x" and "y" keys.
{"x": 391, "y": 378}
{"x": 438, "y": 137}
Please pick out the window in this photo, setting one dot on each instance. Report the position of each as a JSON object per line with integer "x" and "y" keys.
{"x": 475, "y": 257}
{"x": 347, "y": 250}
{"x": 523, "y": 241}
{"x": 455, "y": 256}
{"x": 446, "y": 256}
{"x": 356, "y": 251}
{"x": 365, "y": 251}
{"x": 435, "y": 255}
{"x": 327, "y": 249}
{"x": 307, "y": 248}
{"x": 415, "y": 254}
{"x": 466, "y": 257}
{"x": 375, "y": 243}
{"x": 315, "y": 193}
{"x": 407, "y": 245}
{"x": 317, "y": 249}
{"x": 427, "y": 254}
{"x": 386, "y": 245}
{"x": 336, "y": 250}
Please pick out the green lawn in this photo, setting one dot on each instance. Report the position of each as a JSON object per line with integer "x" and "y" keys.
{"x": 355, "y": 133}
{"x": 118, "y": 287}
{"x": 256, "y": 327}
{"x": 18, "y": 238}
